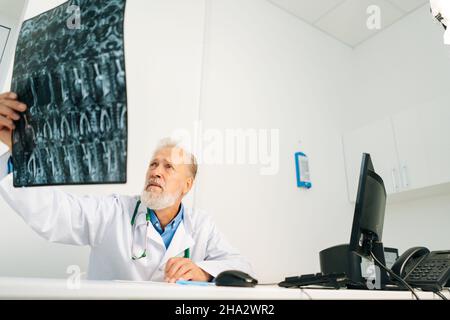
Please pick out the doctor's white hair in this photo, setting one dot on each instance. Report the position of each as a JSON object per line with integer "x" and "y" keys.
{"x": 188, "y": 158}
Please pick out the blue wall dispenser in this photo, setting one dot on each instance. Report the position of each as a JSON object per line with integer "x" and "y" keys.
{"x": 302, "y": 170}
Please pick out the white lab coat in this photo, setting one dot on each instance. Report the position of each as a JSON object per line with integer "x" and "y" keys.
{"x": 104, "y": 223}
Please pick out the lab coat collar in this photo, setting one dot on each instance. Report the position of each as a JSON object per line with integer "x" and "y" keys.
{"x": 182, "y": 239}
{"x": 175, "y": 221}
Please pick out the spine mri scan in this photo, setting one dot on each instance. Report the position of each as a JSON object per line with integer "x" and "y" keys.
{"x": 73, "y": 82}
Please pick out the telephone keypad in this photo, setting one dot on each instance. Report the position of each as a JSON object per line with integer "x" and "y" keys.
{"x": 429, "y": 271}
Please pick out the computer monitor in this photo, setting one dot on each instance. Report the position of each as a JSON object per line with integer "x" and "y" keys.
{"x": 368, "y": 219}
{"x": 356, "y": 258}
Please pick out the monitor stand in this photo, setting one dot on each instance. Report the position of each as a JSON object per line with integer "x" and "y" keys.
{"x": 340, "y": 259}
{"x": 378, "y": 252}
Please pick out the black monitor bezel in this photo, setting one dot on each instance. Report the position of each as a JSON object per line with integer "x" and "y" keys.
{"x": 367, "y": 169}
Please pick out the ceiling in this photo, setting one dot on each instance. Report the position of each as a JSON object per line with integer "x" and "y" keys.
{"x": 346, "y": 20}
{"x": 12, "y": 8}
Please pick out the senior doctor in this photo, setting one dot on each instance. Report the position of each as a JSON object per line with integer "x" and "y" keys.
{"x": 147, "y": 237}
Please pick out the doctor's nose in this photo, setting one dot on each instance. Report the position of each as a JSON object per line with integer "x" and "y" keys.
{"x": 155, "y": 173}
{"x": 155, "y": 176}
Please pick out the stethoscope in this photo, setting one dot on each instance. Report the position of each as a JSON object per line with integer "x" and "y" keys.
{"x": 147, "y": 219}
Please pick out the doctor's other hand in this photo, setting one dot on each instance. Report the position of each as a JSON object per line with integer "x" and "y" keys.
{"x": 9, "y": 111}
{"x": 185, "y": 269}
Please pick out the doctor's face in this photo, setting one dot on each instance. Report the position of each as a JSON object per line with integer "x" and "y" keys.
{"x": 168, "y": 178}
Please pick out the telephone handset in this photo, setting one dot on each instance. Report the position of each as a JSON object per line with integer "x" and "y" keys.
{"x": 423, "y": 269}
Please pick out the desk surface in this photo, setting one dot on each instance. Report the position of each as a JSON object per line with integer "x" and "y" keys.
{"x": 35, "y": 288}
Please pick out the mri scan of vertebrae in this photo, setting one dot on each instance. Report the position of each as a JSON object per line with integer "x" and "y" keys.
{"x": 73, "y": 82}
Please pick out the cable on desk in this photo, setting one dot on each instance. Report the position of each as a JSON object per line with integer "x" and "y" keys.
{"x": 441, "y": 295}
{"x": 305, "y": 293}
{"x": 394, "y": 275}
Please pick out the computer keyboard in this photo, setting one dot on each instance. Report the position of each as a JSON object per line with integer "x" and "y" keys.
{"x": 334, "y": 280}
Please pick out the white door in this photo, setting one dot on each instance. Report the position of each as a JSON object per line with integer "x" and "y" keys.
{"x": 376, "y": 139}
{"x": 4, "y": 35}
{"x": 423, "y": 143}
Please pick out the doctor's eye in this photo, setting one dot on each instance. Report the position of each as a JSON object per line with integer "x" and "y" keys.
{"x": 153, "y": 164}
{"x": 168, "y": 166}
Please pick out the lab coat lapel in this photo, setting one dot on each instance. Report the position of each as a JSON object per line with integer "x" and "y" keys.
{"x": 180, "y": 241}
{"x": 141, "y": 222}
{"x": 155, "y": 236}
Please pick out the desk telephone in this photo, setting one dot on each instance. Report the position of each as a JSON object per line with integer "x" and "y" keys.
{"x": 423, "y": 269}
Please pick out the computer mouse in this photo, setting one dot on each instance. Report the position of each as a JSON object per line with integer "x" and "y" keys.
{"x": 235, "y": 278}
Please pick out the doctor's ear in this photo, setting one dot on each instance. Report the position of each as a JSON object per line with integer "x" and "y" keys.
{"x": 188, "y": 185}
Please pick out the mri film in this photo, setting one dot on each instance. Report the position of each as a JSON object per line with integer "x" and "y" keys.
{"x": 69, "y": 69}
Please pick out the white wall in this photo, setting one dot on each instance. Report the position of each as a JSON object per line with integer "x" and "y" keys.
{"x": 405, "y": 66}
{"x": 10, "y": 17}
{"x": 266, "y": 69}
{"x": 262, "y": 69}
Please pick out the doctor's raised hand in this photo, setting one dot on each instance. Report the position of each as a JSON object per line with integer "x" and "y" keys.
{"x": 9, "y": 111}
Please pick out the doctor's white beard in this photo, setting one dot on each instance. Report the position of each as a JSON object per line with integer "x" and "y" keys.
{"x": 158, "y": 201}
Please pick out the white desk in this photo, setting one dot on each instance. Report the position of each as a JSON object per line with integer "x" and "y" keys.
{"x": 33, "y": 288}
